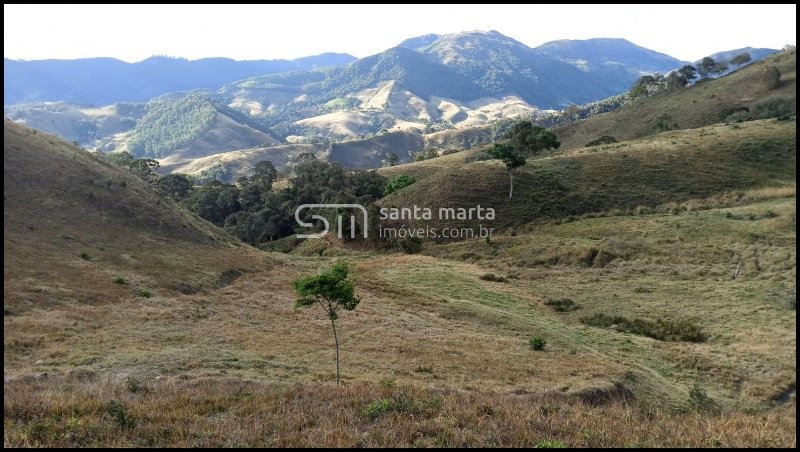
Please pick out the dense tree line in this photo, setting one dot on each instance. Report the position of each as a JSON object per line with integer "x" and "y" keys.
{"x": 169, "y": 124}
{"x": 255, "y": 213}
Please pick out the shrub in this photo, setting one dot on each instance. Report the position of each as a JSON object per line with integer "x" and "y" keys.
{"x": 86, "y": 257}
{"x": 662, "y": 330}
{"x": 605, "y": 139}
{"x": 772, "y": 77}
{"x": 493, "y": 278}
{"x": 423, "y": 370}
{"x": 537, "y": 343}
{"x": 120, "y": 280}
{"x": 397, "y": 183}
{"x": 665, "y": 122}
{"x": 376, "y": 408}
{"x": 700, "y": 401}
{"x": 562, "y": 304}
{"x": 133, "y": 384}
{"x": 120, "y": 414}
{"x": 411, "y": 245}
{"x": 143, "y": 293}
{"x": 771, "y": 108}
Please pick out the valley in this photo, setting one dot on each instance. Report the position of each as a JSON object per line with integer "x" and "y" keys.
{"x": 638, "y": 289}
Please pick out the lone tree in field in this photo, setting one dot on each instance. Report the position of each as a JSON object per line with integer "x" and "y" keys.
{"x": 510, "y": 157}
{"x": 524, "y": 139}
{"x": 333, "y": 292}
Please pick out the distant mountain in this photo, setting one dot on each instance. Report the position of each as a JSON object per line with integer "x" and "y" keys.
{"x": 419, "y": 42}
{"x": 102, "y": 81}
{"x": 616, "y": 63}
{"x": 436, "y": 87}
{"x": 324, "y": 60}
{"x": 467, "y": 66}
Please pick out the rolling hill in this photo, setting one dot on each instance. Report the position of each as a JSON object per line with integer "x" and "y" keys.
{"x": 732, "y": 97}
{"x": 669, "y": 167}
{"x": 72, "y": 224}
{"x": 128, "y": 322}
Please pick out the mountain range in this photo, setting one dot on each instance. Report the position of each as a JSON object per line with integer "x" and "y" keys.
{"x": 429, "y": 86}
{"x": 102, "y": 81}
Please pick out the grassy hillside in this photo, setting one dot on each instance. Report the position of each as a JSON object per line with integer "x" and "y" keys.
{"x": 198, "y": 344}
{"x": 370, "y": 152}
{"x": 700, "y": 105}
{"x": 240, "y": 163}
{"x": 668, "y": 167}
{"x": 74, "y": 224}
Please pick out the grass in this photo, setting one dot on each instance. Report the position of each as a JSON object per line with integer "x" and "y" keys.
{"x": 671, "y": 167}
{"x": 226, "y": 412}
{"x": 709, "y": 103}
{"x": 219, "y": 361}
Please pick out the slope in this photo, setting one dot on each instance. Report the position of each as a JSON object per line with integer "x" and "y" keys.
{"x": 705, "y": 103}
{"x": 668, "y": 167}
{"x": 73, "y": 224}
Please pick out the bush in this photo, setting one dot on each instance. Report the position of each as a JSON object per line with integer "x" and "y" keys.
{"x": 772, "y": 77}
{"x": 120, "y": 280}
{"x": 397, "y": 183}
{"x": 771, "y": 108}
{"x": 376, "y": 408}
{"x": 605, "y": 139}
{"x": 120, "y": 414}
{"x": 143, "y": 293}
{"x": 562, "y": 304}
{"x": 86, "y": 257}
{"x": 491, "y": 277}
{"x": 700, "y": 401}
{"x": 537, "y": 343}
{"x": 423, "y": 370}
{"x": 133, "y": 383}
{"x": 662, "y": 330}
{"x": 411, "y": 245}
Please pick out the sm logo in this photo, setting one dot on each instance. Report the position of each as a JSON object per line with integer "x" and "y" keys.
{"x": 339, "y": 216}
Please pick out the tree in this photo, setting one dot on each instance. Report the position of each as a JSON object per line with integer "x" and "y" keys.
{"x": 176, "y": 186}
{"x": 527, "y": 138}
{"x": 740, "y": 59}
{"x": 333, "y": 292}
{"x": 687, "y": 73}
{"x": 391, "y": 160}
{"x": 706, "y": 67}
{"x": 510, "y": 157}
{"x": 264, "y": 174}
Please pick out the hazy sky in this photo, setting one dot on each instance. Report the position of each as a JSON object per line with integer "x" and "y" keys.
{"x": 135, "y": 32}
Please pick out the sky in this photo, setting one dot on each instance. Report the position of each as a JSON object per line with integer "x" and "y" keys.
{"x": 244, "y": 32}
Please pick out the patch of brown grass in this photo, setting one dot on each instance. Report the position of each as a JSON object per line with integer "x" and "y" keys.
{"x": 59, "y": 412}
